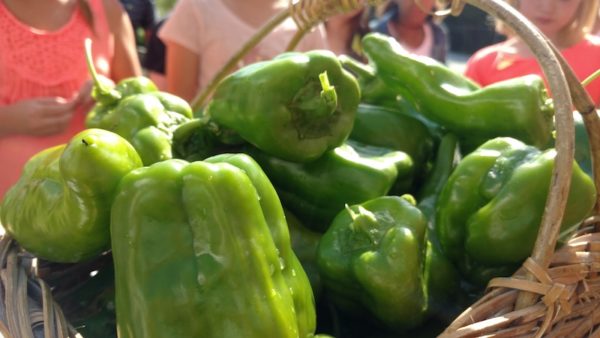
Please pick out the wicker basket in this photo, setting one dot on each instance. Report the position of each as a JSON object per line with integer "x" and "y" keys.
{"x": 554, "y": 294}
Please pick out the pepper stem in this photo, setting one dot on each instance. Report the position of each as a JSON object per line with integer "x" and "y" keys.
{"x": 363, "y": 222}
{"x": 101, "y": 92}
{"x": 328, "y": 94}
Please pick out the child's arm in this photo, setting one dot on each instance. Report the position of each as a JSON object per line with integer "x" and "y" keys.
{"x": 125, "y": 61}
{"x": 181, "y": 68}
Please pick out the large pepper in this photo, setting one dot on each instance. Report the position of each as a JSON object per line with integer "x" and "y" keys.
{"x": 206, "y": 241}
{"x": 489, "y": 211}
{"x": 371, "y": 262}
{"x": 60, "y": 208}
{"x": 517, "y": 108}
{"x": 349, "y": 174}
{"x": 295, "y": 106}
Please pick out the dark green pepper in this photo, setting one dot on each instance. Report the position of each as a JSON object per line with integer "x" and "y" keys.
{"x": 304, "y": 244}
{"x": 295, "y": 106}
{"x": 60, "y": 208}
{"x": 489, "y": 211}
{"x": 371, "y": 261}
{"x": 441, "y": 276}
{"x": 518, "y": 108}
{"x": 349, "y": 174}
{"x": 207, "y": 241}
{"x": 391, "y": 128}
{"x": 372, "y": 88}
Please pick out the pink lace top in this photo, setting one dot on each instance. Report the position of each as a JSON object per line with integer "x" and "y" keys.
{"x": 35, "y": 63}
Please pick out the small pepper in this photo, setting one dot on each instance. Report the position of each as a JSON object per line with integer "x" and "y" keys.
{"x": 371, "y": 261}
{"x": 146, "y": 120}
{"x": 295, "y": 106}
{"x": 137, "y": 111}
{"x": 518, "y": 108}
{"x": 59, "y": 209}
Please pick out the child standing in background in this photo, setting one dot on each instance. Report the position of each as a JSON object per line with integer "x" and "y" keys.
{"x": 202, "y": 35}
{"x": 411, "y": 24}
{"x": 44, "y": 81}
{"x": 566, "y": 23}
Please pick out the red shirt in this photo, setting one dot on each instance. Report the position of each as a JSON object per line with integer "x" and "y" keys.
{"x": 492, "y": 64}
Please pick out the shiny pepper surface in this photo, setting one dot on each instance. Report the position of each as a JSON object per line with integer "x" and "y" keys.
{"x": 206, "y": 242}
{"x": 517, "y": 108}
{"x": 350, "y": 174}
{"x": 295, "y": 107}
{"x": 371, "y": 262}
{"x": 490, "y": 209}
{"x": 60, "y": 208}
{"x": 147, "y": 120}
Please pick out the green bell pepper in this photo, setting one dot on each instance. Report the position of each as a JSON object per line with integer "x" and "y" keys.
{"x": 137, "y": 111}
{"x": 371, "y": 261}
{"x": 391, "y": 128}
{"x": 147, "y": 120}
{"x": 489, "y": 211}
{"x": 349, "y": 174}
{"x": 518, "y": 108}
{"x": 208, "y": 241}
{"x": 295, "y": 106}
{"x": 59, "y": 210}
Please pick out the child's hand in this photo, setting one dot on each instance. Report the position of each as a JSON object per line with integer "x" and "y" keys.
{"x": 41, "y": 116}
{"x": 83, "y": 101}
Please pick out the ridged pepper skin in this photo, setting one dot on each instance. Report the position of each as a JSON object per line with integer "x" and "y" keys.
{"x": 295, "y": 106}
{"x": 200, "y": 250}
{"x": 371, "y": 261}
{"x": 490, "y": 209}
{"x": 293, "y": 272}
{"x": 517, "y": 108}
{"x": 60, "y": 208}
{"x": 350, "y": 174}
{"x": 146, "y": 120}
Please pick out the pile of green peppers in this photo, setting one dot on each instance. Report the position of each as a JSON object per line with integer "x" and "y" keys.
{"x": 312, "y": 194}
